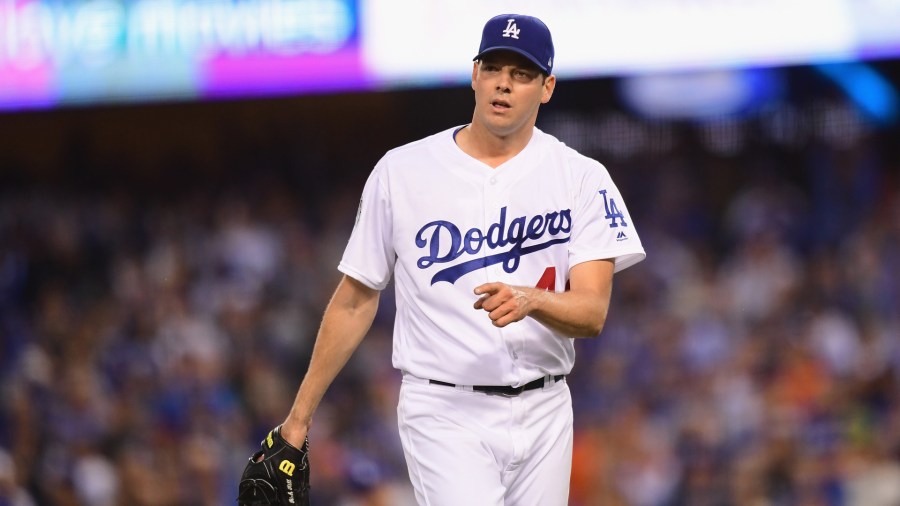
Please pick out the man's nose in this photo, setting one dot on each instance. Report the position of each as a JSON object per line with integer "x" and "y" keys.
{"x": 503, "y": 84}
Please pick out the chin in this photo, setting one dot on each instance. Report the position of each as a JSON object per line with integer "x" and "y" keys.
{"x": 503, "y": 129}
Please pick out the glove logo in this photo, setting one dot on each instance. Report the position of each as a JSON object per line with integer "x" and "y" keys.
{"x": 276, "y": 474}
{"x": 287, "y": 467}
{"x": 290, "y": 491}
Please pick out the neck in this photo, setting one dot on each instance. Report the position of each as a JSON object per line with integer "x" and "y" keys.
{"x": 490, "y": 148}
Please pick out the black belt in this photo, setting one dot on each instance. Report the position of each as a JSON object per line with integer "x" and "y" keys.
{"x": 504, "y": 389}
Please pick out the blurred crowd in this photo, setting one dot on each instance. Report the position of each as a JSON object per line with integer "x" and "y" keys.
{"x": 148, "y": 342}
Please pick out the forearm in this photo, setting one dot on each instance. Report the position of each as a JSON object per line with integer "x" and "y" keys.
{"x": 344, "y": 325}
{"x": 572, "y": 314}
{"x": 577, "y": 312}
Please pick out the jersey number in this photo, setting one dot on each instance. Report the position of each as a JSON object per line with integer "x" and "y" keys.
{"x": 548, "y": 280}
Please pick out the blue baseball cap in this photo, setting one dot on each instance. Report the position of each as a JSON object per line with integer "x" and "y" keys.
{"x": 526, "y": 35}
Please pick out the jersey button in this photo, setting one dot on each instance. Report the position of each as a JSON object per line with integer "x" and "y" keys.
{"x": 493, "y": 180}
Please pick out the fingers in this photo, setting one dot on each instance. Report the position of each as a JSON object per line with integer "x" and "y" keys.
{"x": 489, "y": 288}
{"x": 504, "y": 315}
{"x": 503, "y": 303}
{"x": 490, "y": 296}
{"x": 485, "y": 291}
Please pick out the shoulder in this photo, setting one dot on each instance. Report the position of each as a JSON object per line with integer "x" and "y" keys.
{"x": 573, "y": 160}
{"x": 421, "y": 146}
{"x": 410, "y": 156}
{"x": 398, "y": 163}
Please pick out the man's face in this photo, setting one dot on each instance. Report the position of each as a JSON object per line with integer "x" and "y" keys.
{"x": 509, "y": 89}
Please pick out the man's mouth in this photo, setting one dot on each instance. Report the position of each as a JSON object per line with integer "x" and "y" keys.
{"x": 500, "y": 104}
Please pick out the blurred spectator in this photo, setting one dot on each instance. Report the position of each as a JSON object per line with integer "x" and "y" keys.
{"x": 11, "y": 492}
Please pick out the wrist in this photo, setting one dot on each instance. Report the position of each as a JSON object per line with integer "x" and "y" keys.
{"x": 297, "y": 420}
{"x": 295, "y": 429}
{"x": 535, "y": 300}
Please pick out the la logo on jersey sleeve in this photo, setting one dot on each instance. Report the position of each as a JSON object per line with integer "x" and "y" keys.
{"x": 613, "y": 214}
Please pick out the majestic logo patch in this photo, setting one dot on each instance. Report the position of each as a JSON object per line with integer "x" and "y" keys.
{"x": 511, "y": 29}
{"x": 445, "y": 242}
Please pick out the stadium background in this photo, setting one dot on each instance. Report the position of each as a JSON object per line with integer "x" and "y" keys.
{"x": 163, "y": 267}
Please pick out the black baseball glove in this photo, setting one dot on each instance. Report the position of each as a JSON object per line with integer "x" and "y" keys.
{"x": 276, "y": 475}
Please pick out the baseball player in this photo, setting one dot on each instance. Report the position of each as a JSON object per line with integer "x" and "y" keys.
{"x": 502, "y": 243}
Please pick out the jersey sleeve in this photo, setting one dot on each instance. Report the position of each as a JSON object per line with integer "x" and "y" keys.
{"x": 601, "y": 225}
{"x": 369, "y": 256}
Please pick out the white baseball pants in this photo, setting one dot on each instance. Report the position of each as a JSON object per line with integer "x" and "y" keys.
{"x": 466, "y": 448}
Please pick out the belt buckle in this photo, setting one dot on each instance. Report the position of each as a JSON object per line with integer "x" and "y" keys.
{"x": 516, "y": 391}
{"x": 507, "y": 391}
{"x": 512, "y": 392}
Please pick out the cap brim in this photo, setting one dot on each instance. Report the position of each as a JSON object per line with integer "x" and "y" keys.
{"x": 532, "y": 59}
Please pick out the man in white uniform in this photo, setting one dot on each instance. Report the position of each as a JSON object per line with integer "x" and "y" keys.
{"x": 503, "y": 243}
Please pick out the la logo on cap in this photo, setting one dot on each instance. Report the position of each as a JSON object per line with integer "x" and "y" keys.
{"x": 502, "y": 32}
{"x": 511, "y": 29}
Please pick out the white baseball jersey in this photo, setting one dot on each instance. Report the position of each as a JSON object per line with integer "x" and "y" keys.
{"x": 442, "y": 222}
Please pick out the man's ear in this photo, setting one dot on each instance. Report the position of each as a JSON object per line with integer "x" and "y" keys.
{"x": 549, "y": 86}
{"x": 474, "y": 72}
